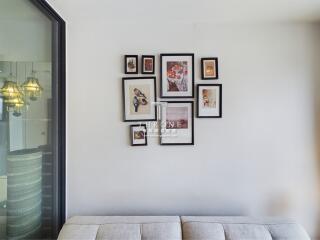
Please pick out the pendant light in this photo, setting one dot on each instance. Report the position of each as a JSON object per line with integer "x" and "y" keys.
{"x": 32, "y": 87}
{"x": 10, "y": 88}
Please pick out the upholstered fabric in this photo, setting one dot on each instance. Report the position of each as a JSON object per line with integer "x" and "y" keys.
{"x": 122, "y": 228}
{"x": 174, "y": 228}
{"x": 241, "y": 228}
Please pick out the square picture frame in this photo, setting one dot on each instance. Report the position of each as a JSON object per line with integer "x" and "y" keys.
{"x": 139, "y": 95}
{"x": 177, "y": 126}
{"x": 209, "y": 100}
{"x": 131, "y": 65}
{"x": 177, "y": 75}
{"x": 138, "y": 135}
{"x": 209, "y": 68}
{"x": 147, "y": 64}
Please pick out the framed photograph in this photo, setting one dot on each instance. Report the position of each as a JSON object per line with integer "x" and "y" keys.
{"x": 209, "y": 68}
{"x": 209, "y": 101}
{"x": 139, "y": 96}
{"x": 177, "y": 126}
{"x": 177, "y": 75}
{"x": 138, "y": 135}
{"x": 131, "y": 64}
{"x": 147, "y": 63}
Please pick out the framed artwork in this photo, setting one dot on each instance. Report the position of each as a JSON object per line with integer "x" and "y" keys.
{"x": 139, "y": 96}
{"x": 131, "y": 64}
{"x": 147, "y": 63}
{"x": 138, "y": 135}
{"x": 209, "y": 68}
{"x": 209, "y": 101}
{"x": 177, "y": 126}
{"x": 177, "y": 75}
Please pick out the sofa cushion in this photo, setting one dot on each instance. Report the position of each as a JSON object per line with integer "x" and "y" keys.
{"x": 122, "y": 228}
{"x": 241, "y": 228}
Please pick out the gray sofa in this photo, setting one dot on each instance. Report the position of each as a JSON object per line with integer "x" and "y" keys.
{"x": 175, "y": 228}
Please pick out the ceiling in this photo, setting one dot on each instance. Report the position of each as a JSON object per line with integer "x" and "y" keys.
{"x": 215, "y": 11}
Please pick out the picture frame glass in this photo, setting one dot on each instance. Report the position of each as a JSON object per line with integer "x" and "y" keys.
{"x": 177, "y": 123}
{"x": 209, "y": 100}
{"x": 138, "y": 135}
{"x": 139, "y": 98}
{"x": 177, "y": 75}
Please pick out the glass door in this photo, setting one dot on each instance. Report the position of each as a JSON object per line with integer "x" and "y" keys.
{"x": 32, "y": 121}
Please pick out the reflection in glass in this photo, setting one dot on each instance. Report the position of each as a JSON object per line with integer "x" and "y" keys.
{"x": 27, "y": 183}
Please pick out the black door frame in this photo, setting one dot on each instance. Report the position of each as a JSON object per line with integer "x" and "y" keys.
{"x": 58, "y": 110}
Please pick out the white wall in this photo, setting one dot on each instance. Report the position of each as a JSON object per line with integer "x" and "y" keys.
{"x": 259, "y": 159}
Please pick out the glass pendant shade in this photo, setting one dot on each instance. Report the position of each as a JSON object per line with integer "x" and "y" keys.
{"x": 10, "y": 89}
{"x": 15, "y": 102}
{"x": 32, "y": 88}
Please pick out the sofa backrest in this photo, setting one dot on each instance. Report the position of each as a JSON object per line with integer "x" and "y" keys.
{"x": 241, "y": 228}
{"x": 122, "y": 228}
{"x": 176, "y": 228}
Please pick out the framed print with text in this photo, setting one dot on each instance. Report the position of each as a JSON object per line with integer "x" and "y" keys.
{"x": 177, "y": 123}
{"x": 177, "y": 75}
{"x": 139, "y": 96}
{"x": 209, "y": 100}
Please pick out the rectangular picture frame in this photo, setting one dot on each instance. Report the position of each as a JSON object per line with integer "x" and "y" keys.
{"x": 136, "y": 96}
{"x": 214, "y": 67}
{"x": 178, "y": 81}
{"x": 165, "y": 139}
{"x": 135, "y": 137}
{"x": 144, "y": 66}
{"x": 135, "y": 64}
{"x": 212, "y": 100}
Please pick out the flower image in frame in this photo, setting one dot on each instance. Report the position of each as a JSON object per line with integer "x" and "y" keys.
{"x": 177, "y": 76}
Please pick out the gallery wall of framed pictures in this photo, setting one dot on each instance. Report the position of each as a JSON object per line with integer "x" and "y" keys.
{"x": 175, "y": 118}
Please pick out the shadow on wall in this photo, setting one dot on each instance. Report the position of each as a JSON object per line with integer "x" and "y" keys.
{"x": 317, "y": 113}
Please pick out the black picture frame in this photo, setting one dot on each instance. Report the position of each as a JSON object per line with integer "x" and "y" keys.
{"x": 145, "y": 136}
{"x": 124, "y": 103}
{"x": 215, "y": 59}
{"x": 143, "y": 71}
{"x": 192, "y": 125}
{"x": 126, "y": 67}
{"x": 59, "y": 110}
{"x": 220, "y": 100}
{"x": 161, "y": 77}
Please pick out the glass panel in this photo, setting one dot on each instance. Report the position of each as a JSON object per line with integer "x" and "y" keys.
{"x": 26, "y": 163}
